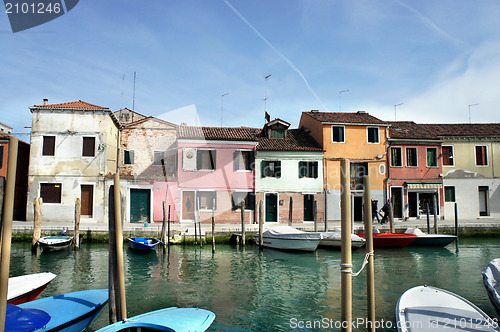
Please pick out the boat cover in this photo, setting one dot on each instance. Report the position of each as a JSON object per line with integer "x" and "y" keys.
{"x": 415, "y": 231}
{"x": 287, "y": 232}
{"x": 491, "y": 278}
{"x": 24, "y": 320}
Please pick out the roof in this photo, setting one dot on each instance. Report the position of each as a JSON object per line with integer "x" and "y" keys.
{"x": 295, "y": 140}
{"x": 412, "y": 130}
{"x": 146, "y": 119}
{"x": 74, "y": 105}
{"x": 359, "y": 117}
{"x": 218, "y": 133}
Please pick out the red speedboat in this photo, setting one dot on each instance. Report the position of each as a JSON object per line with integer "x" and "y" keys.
{"x": 392, "y": 240}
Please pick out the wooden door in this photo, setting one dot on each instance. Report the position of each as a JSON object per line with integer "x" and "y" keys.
{"x": 87, "y": 200}
{"x": 140, "y": 205}
{"x": 308, "y": 207}
{"x": 188, "y": 205}
{"x": 271, "y": 208}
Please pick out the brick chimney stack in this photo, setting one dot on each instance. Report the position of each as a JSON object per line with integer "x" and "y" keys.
{"x": 45, "y": 101}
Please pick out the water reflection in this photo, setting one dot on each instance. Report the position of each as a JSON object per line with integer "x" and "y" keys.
{"x": 254, "y": 290}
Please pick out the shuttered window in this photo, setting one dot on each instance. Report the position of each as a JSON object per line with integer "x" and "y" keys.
{"x": 308, "y": 169}
{"x": 271, "y": 169}
{"x": 432, "y": 157}
{"x": 247, "y": 197}
{"x": 49, "y": 145}
{"x": 448, "y": 155}
{"x": 50, "y": 192}
{"x": 88, "y": 147}
{"x": 128, "y": 157}
{"x": 243, "y": 160}
{"x": 481, "y": 155}
{"x": 205, "y": 160}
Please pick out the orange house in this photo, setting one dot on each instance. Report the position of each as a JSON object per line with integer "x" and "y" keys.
{"x": 359, "y": 137}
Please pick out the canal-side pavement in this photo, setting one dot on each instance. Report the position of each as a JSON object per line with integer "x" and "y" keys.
{"x": 448, "y": 226}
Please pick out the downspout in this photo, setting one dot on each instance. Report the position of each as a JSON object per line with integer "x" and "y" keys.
{"x": 386, "y": 180}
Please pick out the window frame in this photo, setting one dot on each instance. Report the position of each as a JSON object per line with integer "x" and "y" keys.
{"x": 393, "y": 164}
{"x": 210, "y": 207}
{"x": 58, "y": 193}
{"x": 435, "y": 157}
{"x": 88, "y": 146}
{"x": 212, "y": 155}
{"x": 446, "y": 194}
{"x": 249, "y": 166}
{"x": 368, "y": 135}
{"x": 452, "y": 156}
{"x": 51, "y": 150}
{"x": 130, "y": 158}
{"x": 485, "y": 158}
{"x": 407, "y": 149}
{"x": 248, "y": 200}
{"x": 276, "y": 169}
{"x": 158, "y": 161}
{"x": 343, "y": 134}
{"x": 310, "y": 167}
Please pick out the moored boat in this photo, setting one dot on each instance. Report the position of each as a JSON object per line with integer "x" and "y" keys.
{"x": 26, "y": 288}
{"x": 143, "y": 243}
{"x": 391, "y": 240}
{"x": 71, "y": 312}
{"x": 334, "y": 239}
{"x": 289, "y": 238}
{"x": 426, "y": 308}
{"x": 55, "y": 242}
{"x": 435, "y": 240}
{"x": 168, "y": 319}
{"x": 491, "y": 280}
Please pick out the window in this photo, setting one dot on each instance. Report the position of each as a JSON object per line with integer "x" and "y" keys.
{"x": 338, "y": 134}
{"x": 449, "y": 194}
{"x": 159, "y": 158}
{"x": 432, "y": 157}
{"x": 247, "y": 197}
{"x": 411, "y": 157}
{"x": 358, "y": 170}
{"x": 88, "y": 149}
{"x": 50, "y": 192}
{"x": 128, "y": 157}
{"x": 396, "y": 160}
{"x": 49, "y": 146}
{"x": 271, "y": 169}
{"x": 373, "y": 136}
{"x": 206, "y": 200}
{"x": 308, "y": 169}
{"x": 243, "y": 160}
{"x": 448, "y": 155}
{"x": 277, "y": 133}
{"x": 205, "y": 160}
{"x": 481, "y": 155}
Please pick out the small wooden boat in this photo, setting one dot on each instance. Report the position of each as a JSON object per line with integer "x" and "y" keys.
{"x": 435, "y": 240}
{"x": 26, "y": 288}
{"x": 289, "y": 238}
{"x": 426, "y": 308}
{"x": 143, "y": 243}
{"x": 71, "y": 312}
{"x": 491, "y": 280}
{"x": 56, "y": 242}
{"x": 169, "y": 319}
{"x": 391, "y": 240}
{"x": 334, "y": 239}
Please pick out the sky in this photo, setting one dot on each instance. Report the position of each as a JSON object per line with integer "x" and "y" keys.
{"x": 211, "y": 58}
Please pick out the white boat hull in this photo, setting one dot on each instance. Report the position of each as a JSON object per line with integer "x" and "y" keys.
{"x": 426, "y": 308}
{"x": 491, "y": 280}
{"x": 26, "y": 288}
{"x": 334, "y": 239}
{"x": 290, "y": 244}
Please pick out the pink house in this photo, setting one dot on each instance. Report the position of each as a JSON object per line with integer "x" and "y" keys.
{"x": 415, "y": 176}
{"x": 216, "y": 173}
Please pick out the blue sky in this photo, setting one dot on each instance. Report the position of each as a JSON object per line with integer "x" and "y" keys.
{"x": 434, "y": 57}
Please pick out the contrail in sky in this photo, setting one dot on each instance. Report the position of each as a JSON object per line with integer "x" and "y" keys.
{"x": 290, "y": 63}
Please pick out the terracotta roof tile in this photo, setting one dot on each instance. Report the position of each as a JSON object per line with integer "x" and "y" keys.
{"x": 412, "y": 130}
{"x": 295, "y": 140}
{"x": 345, "y": 117}
{"x": 218, "y": 133}
{"x": 81, "y": 105}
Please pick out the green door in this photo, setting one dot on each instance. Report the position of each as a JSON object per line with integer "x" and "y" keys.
{"x": 271, "y": 207}
{"x": 308, "y": 207}
{"x": 140, "y": 204}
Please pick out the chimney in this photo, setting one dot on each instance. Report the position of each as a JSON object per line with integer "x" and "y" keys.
{"x": 45, "y": 101}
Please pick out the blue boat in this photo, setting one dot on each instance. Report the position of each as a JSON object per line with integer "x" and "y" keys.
{"x": 143, "y": 243}
{"x": 169, "y": 319}
{"x": 71, "y": 312}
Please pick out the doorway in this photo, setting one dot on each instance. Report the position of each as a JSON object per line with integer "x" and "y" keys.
{"x": 397, "y": 202}
{"x": 357, "y": 208}
{"x": 308, "y": 207}
{"x": 271, "y": 207}
{"x": 483, "y": 200}
{"x": 87, "y": 200}
{"x": 188, "y": 205}
{"x": 140, "y": 205}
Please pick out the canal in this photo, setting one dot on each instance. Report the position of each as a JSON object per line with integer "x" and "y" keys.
{"x": 253, "y": 290}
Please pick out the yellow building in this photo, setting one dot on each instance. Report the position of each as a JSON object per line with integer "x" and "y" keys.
{"x": 356, "y": 136}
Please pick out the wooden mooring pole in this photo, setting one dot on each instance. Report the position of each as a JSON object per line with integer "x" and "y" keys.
{"x": 37, "y": 223}
{"x": 119, "y": 248}
{"x": 243, "y": 226}
{"x": 290, "y": 212}
{"x": 456, "y": 221}
{"x": 346, "y": 250}
{"x": 78, "y": 213}
{"x": 261, "y": 223}
{"x": 213, "y": 225}
{"x": 315, "y": 213}
{"x": 434, "y": 206}
{"x": 370, "y": 273}
{"x": 7, "y": 215}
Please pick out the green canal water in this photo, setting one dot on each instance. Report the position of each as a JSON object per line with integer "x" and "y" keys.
{"x": 269, "y": 290}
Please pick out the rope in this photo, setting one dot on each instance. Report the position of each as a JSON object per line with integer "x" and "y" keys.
{"x": 365, "y": 261}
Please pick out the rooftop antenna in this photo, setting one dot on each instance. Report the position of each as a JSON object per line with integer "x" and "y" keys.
{"x": 265, "y": 92}
{"x": 222, "y": 107}
{"x": 133, "y": 99}
{"x": 340, "y": 104}
{"x": 469, "y": 109}
{"x": 395, "y": 106}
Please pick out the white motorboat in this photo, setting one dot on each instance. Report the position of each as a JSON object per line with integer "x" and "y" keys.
{"x": 26, "y": 288}
{"x": 289, "y": 238}
{"x": 435, "y": 240}
{"x": 426, "y": 308}
{"x": 491, "y": 279}
{"x": 54, "y": 243}
{"x": 334, "y": 239}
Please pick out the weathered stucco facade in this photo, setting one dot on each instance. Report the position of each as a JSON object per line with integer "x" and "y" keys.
{"x": 73, "y": 150}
